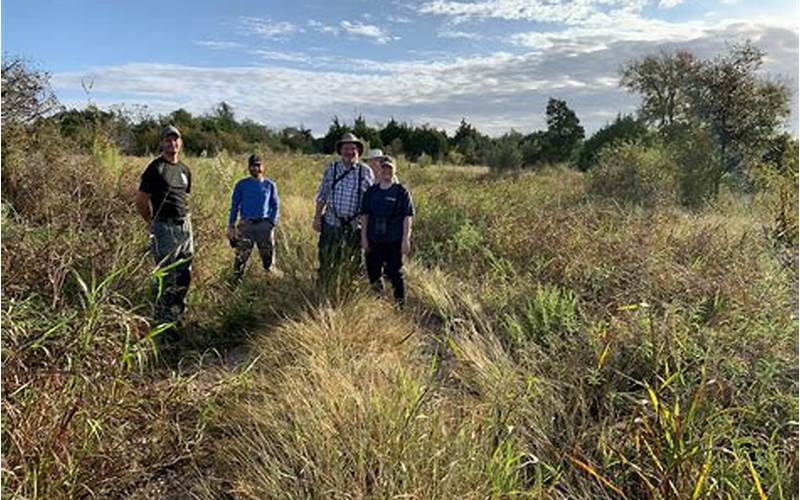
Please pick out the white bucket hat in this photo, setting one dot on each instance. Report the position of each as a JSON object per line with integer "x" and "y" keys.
{"x": 373, "y": 154}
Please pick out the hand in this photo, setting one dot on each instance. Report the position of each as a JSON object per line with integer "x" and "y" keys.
{"x": 231, "y": 233}
{"x": 365, "y": 243}
{"x": 317, "y": 223}
{"x": 405, "y": 247}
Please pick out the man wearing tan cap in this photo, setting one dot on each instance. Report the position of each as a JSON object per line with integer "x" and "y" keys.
{"x": 338, "y": 205}
{"x": 162, "y": 201}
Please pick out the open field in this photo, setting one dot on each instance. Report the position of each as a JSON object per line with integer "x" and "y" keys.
{"x": 555, "y": 345}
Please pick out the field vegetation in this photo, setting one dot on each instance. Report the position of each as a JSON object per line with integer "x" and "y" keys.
{"x": 623, "y": 332}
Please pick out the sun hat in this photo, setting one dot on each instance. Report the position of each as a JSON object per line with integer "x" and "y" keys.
{"x": 350, "y": 138}
{"x": 170, "y": 130}
{"x": 374, "y": 154}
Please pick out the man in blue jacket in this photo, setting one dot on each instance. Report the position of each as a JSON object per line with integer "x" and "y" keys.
{"x": 255, "y": 201}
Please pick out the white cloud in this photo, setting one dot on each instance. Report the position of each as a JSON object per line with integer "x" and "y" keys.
{"x": 601, "y": 32}
{"x": 357, "y": 29}
{"x": 268, "y": 28}
{"x": 569, "y": 12}
{"x": 447, "y": 32}
{"x": 495, "y": 92}
{"x": 366, "y": 30}
{"x": 217, "y": 45}
{"x": 322, "y": 28}
{"x": 271, "y": 55}
{"x": 399, "y": 19}
{"x": 668, "y": 4}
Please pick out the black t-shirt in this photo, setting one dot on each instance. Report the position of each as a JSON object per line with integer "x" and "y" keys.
{"x": 168, "y": 185}
{"x": 386, "y": 209}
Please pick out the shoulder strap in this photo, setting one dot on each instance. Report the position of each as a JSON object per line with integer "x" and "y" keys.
{"x": 337, "y": 178}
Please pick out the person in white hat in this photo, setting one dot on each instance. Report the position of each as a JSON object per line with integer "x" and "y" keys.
{"x": 374, "y": 157}
{"x": 338, "y": 205}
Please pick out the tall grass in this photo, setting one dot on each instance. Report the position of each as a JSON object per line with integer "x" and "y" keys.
{"x": 554, "y": 345}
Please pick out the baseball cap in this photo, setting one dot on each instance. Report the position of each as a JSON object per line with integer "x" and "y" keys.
{"x": 170, "y": 130}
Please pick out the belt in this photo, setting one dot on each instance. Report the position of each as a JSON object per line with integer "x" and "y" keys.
{"x": 257, "y": 219}
{"x": 172, "y": 220}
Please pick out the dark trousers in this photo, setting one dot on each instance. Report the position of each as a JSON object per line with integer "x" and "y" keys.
{"x": 386, "y": 258}
{"x": 172, "y": 247}
{"x": 258, "y": 233}
{"x": 339, "y": 250}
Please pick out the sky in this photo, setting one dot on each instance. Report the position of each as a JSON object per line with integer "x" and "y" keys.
{"x": 300, "y": 63}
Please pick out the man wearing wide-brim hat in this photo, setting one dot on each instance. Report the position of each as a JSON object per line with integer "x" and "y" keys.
{"x": 338, "y": 204}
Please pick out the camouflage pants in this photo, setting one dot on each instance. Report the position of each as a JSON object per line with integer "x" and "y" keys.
{"x": 258, "y": 233}
{"x": 172, "y": 247}
{"x": 339, "y": 250}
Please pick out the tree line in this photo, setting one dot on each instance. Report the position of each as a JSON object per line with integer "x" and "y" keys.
{"x": 725, "y": 103}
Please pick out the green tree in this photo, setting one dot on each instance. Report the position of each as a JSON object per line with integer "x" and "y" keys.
{"x": 660, "y": 80}
{"x": 366, "y": 133}
{"x": 298, "y": 139}
{"x": 335, "y": 132}
{"x": 426, "y": 140}
{"x": 474, "y": 146}
{"x": 742, "y": 109}
{"x": 394, "y": 131}
{"x": 224, "y": 116}
{"x": 564, "y": 131}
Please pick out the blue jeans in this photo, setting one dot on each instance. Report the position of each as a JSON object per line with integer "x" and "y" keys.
{"x": 172, "y": 246}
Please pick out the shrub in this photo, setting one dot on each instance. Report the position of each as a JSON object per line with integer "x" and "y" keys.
{"x": 548, "y": 314}
{"x": 505, "y": 156}
{"x": 623, "y": 128}
{"x": 699, "y": 167}
{"x": 424, "y": 160}
{"x": 634, "y": 173}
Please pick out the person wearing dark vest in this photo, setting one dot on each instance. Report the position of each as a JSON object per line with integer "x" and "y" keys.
{"x": 387, "y": 211}
{"x": 255, "y": 200}
{"x": 338, "y": 203}
{"x": 162, "y": 201}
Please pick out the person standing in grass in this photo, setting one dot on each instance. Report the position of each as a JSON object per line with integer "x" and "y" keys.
{"x": 162, "y": 201}
{"x": 255, "y": 200}
{"x": 387, "y": 211}
{"x": 338, "y": 203}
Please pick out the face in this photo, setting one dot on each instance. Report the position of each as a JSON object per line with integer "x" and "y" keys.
{"x": 387, "y": 172}
{"x": 171, "y": 144}
{"x": 256, "y": 169}
{"x": 349, "y": 151}
{"x": 375, "y": 165}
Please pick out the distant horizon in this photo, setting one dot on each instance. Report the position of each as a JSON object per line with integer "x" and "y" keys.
{"x": 494, "y": 63}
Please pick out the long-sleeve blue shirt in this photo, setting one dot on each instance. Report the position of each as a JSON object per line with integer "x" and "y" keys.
{"x": 253, "y": 199}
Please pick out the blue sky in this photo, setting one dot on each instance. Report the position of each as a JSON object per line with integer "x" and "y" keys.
{"x": 493, "y": 62}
